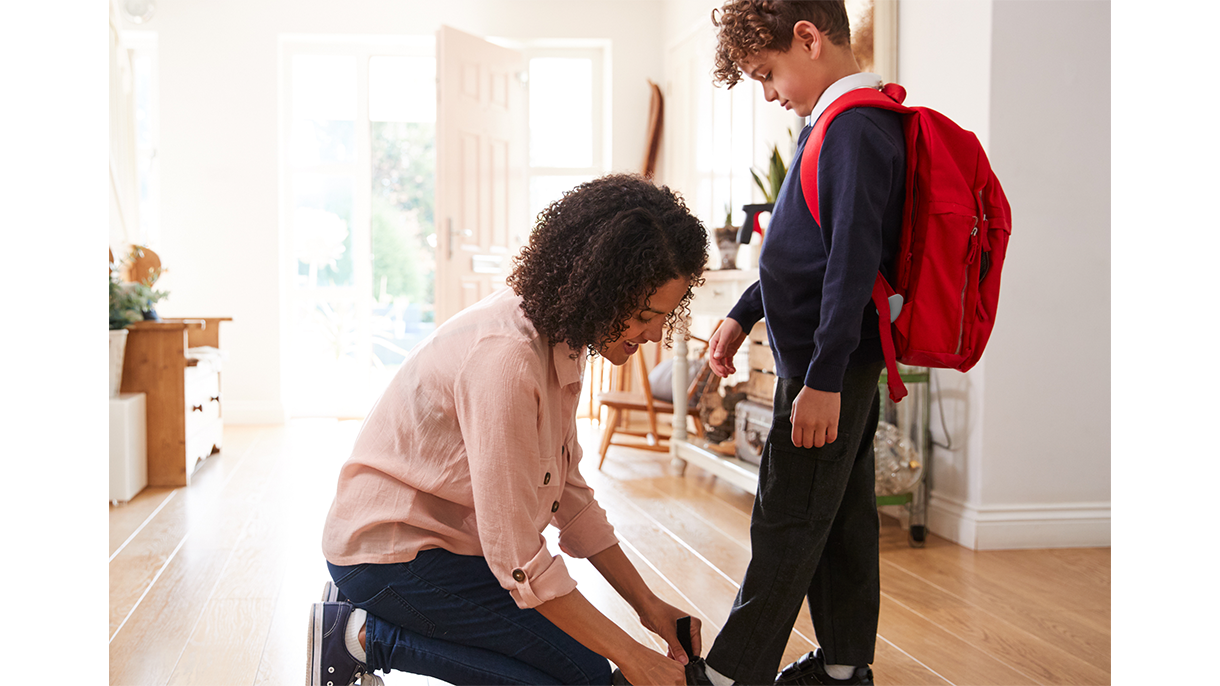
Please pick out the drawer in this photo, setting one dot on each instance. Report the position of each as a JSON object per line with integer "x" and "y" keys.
{"x": 714, "y": 299}
{"x": 761, "y": 358}
{"x": 720, "y": 291}
{"x": 202, "y": 397}
{"x": 761, "y": 387}
{"x": 201, "y": 438}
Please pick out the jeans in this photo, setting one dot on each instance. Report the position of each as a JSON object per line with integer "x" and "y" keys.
{"x": 813, "y": 536}
{"x": 446, "y": 616}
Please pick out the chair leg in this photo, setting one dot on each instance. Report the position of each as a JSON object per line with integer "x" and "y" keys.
{"x": 652, "y": 428}
{"x": 608, "y": 433}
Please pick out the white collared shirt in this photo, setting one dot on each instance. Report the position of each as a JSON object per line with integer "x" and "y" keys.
{"x": 850, "y": 82}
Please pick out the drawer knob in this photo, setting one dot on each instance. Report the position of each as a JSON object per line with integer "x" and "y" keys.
{"x": 197, "y": 408}
{"x": 215, "y": 398}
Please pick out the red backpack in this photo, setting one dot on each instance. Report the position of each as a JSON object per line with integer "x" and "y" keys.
{"x": 954, "y": 235}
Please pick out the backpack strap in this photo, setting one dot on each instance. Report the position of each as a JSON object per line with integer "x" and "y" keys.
{"x": 890, "y": 98}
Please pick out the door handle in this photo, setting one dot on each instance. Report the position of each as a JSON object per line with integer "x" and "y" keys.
{"x": 454, "y": 234}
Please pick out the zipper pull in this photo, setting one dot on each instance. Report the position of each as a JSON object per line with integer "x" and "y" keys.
{"x": 974, "y": 243}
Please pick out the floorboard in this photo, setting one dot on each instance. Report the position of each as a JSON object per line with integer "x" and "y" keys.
{"x": 212, "y": 584}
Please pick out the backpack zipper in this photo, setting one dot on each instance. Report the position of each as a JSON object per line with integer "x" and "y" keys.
{"x": 970, "y": 257}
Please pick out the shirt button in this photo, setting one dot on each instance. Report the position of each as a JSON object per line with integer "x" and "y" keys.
{"x": 555, "y": 507}
{"x": 518, "y": 575}
{"x": 546, "y": 479}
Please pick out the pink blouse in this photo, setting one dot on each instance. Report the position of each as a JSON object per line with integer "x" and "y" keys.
{"x": 472, "y": 448}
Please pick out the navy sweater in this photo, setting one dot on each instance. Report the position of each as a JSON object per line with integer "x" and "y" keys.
{"x": 816, "y": 282}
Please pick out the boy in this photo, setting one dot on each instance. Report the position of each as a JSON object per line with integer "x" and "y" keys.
{"x": 814, "y": 527}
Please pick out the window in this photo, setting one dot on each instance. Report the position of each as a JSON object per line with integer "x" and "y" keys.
{"x": 359, "y": 178}
{"x": 569, "y": 139}
{"x": 142, "y": 47}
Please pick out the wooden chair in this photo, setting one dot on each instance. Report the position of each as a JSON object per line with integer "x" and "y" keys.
{"x": 643, "y": 400}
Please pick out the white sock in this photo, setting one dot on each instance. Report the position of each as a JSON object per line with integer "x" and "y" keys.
{"x": 351, "y": 636}
{"x": 840, "y": 671}
{"x": 716, "y": 678}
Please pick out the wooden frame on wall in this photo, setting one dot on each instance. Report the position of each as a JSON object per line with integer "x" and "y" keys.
{"x": 874, "y": 36}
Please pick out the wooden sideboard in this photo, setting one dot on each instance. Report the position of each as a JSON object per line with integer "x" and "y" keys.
{"x": 184, "y": 419}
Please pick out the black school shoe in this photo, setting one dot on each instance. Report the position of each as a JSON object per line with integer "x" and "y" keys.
{"x": 811, "y": 669}
{"x": 696, "y": 675}
{"x": 330, "y": 663}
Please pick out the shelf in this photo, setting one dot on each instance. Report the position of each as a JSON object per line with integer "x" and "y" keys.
{"x": 740, "y": 473}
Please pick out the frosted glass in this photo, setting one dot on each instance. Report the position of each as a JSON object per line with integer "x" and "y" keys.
{"x": 402, "y": 89}
{"x": 545, "y": 190}
{"x": 561, "y": 112}
{"x": 323, "y": 109}
{"x": 324, "y": 87}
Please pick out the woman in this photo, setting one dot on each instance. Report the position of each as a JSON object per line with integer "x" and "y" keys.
{"x": 435, "y": 536}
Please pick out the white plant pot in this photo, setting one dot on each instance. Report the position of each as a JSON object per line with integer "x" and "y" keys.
{"x": 118, "y": 345}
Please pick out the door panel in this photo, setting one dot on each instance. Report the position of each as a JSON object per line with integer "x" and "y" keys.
{"x": 481, "y": 165}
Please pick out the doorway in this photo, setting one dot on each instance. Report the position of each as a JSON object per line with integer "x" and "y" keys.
{"x": 359, "y": 156}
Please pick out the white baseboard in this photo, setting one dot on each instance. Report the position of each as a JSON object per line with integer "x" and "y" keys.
{"x": 254, "y": 412}
{"x": 1003, "y": 527}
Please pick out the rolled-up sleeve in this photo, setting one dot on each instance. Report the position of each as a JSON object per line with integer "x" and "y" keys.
{"x": 584, "y": 530}
{"x": 498, "y": 397}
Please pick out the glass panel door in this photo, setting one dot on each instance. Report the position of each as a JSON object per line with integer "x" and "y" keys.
{"x": 359, "y": 178}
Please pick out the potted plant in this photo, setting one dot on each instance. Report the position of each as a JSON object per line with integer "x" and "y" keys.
{"x": 130, "y": 302}
{"x": 769, "y": 183}
{"x": 726, "y": 240}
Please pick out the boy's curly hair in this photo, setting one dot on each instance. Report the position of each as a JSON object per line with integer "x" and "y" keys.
{"x": 748, "y": 27}
{"x": 599, "y": 252}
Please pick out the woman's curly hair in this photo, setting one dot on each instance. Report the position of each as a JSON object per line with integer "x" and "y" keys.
{"x": 748, "y": 27}
{"x": 596, "y": 255}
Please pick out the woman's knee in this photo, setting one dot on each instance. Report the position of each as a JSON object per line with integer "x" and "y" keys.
{"x": 594, "y": 670}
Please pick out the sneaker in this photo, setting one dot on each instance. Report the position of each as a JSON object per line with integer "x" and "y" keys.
{"x": 330, "y": 662}
{"x": 332, "y": 594}
{"x": 811, "y": 669}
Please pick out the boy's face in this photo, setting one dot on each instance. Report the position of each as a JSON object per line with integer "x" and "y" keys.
{"x": 795, "y": 78}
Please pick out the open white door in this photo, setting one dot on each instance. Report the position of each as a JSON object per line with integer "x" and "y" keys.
{"x": 481, "y": 138}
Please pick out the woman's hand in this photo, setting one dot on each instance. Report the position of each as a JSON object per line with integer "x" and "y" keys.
{"x": 661, "y": 618}
{"x": 723, "y": 345}
{"x": 647, "y": 667}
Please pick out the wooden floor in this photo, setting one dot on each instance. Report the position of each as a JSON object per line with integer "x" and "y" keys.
{"x": 212, "y": 584}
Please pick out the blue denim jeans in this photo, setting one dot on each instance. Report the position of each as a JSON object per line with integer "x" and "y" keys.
{"x": 446, "y": 616}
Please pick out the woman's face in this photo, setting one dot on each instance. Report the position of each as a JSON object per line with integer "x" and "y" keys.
{"x": 645, "y": 324}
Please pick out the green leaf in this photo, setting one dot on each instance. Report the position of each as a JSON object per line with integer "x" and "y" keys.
{"x": 760, "y": 185}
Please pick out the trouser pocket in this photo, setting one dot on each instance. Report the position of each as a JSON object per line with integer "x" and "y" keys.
{"x": 392, "y": 607}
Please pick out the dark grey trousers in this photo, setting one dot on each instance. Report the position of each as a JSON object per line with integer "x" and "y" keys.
{"x": 813, "y": 535}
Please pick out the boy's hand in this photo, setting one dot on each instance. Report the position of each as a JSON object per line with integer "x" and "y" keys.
{"x": 723, "y": 345}
{"x": 815, "y": 418}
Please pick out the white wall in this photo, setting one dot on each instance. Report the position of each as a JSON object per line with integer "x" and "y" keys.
{"x": 219, "y": 141}
{"x": 1030, "y": 425}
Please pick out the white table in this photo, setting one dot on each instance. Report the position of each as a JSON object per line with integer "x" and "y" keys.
{"x": 714, "y": 298}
